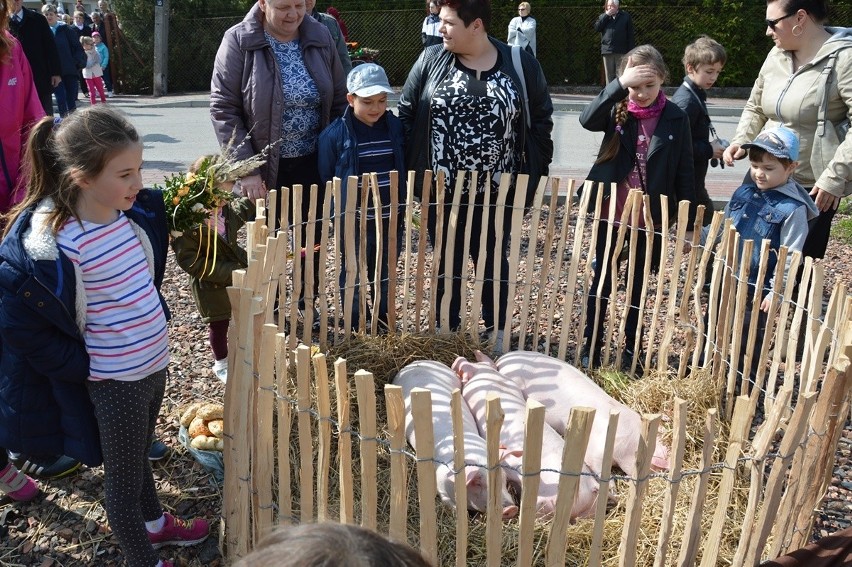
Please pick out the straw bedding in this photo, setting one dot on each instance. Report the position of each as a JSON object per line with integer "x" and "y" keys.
{"x": 385, "y": 355}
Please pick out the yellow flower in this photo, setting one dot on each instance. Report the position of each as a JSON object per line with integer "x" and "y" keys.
{"x": 183, "y": 191}
{"x": 176, "y": 201}
{"x": 190, "y": 178}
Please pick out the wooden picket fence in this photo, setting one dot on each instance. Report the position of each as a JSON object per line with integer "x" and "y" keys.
{"x": 276, "y": 473}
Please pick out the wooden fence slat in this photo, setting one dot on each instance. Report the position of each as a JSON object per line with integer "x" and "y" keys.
{"x": 596, "y": 547}
{"x": 515, "y": 236}
{"x": 613, "y": 323}
{"x": 692, "y": 524}
{"x": 306, "y": 452}
{"x": 676, "y": 461}
{"x": 399, "y": 486}
{"x": 349, "y": 262}
{"x": 576, "y": 253}
{"x": 377, "y": 264}
{"x": 449, "y": 252}
{"x": 533, "y": 437}
{"x": 761, "y": 445}
{"x": 605, "y": 270}
{"x": 792, "y": 438}
{"x": 707, "y": 256}
{"x": 675, "y": 282}
{"x": 494, "y": 417}
{"x": 263, "y": 446}
{"x": 406, "y": 294}
{"x": 421, "y": 250}
{"x": 576, "y": 438}
{"x": 438, "y": 252}
{"x": 393, "y": 246}
{"x": 324, "y": 261}
{"x": 237, "y": 454}
{"x": 825, "y": 427}
{"x": 468, "y": 321}
{"x": 427, "y": 489}
{"x": 651, "y": 229}
{"x": 366, "y": 394}
{"x": 549, "y": 313}
{"x": 337, "y": 294}
{"x": 460, "y": 484}
{"x": 324, "y": 435}
{"x": 636, "y": 492}
{"x": 344, "y": 443}
{"x": 476, "y": 301}
{"x": 736, "y": 438}
{"x": 285, "y": 422}
{"x": 544, "y": 269}
{"x": 797, "y": 323}
{"x": 361, "y": 261}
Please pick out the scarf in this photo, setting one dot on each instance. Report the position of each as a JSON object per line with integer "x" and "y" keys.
{"x": 643, "y": 112}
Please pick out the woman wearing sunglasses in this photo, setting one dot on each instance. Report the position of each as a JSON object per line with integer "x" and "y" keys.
{"x": 792, "y": 89}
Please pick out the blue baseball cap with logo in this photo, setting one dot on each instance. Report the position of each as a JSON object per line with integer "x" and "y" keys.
{"x": 780, "y": 141}
{"x": 367, "y": 79}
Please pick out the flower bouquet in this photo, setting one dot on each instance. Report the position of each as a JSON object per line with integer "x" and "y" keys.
{"x": 194, "y": 199}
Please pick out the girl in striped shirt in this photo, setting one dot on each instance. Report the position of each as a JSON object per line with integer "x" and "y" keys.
{"x": 83, "y": 324}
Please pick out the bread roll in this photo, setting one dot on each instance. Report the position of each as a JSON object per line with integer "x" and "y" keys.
{"x": 198, "y": 427}
{"x": 216, "y": 427}
{"x": 211, "y": 411}
{"x": 206, "y": 443}
{"x": 189, "y": 414}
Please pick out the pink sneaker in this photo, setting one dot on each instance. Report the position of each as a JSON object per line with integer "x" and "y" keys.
{"x": 180, "y": 532}
{"x": 17, "y": 485}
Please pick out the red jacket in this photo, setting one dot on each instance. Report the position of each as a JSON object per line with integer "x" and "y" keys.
{"x": 21, "y": 109}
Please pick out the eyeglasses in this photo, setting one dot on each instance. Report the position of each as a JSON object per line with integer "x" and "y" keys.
{"x": 772, "y": 23}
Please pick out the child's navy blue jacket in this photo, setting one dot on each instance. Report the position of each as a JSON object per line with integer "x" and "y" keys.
{"x": 338, "y": 151}
{"x": 44, "y": 403}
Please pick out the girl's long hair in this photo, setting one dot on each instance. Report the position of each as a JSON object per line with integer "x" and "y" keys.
{"x": 5, "y": 38}
{"x": 641, "y": 55}
{"x": 81, "y": 144}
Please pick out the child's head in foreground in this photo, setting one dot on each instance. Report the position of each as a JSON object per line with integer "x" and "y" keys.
{"x": 703, "y": 60}
{"x": 87, "y": 42}
{"x": 772, "y": 155}
{"x": 330, "y": 544}
{"x": 368, "y": 89}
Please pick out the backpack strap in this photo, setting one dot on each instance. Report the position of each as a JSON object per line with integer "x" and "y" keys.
{"x": 822, "y": 94}
{"x": 519, "y": 69}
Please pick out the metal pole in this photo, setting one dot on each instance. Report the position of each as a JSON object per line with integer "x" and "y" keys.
{"x": 161, "y": 47}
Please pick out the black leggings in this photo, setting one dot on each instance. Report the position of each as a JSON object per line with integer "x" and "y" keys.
{"x": 126, "y": 414}
{"x": 632, "y": 328}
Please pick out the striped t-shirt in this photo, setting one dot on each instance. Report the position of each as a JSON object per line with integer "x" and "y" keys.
{"x": 375, "y": 154}
{"x": 126, "y": 335}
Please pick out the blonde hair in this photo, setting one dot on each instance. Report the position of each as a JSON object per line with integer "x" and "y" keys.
{"x": 642, "y": 55}
{"x": 86, "y": 40}
{"x": 524, "y": 5}
{"x": 703, "y": 51}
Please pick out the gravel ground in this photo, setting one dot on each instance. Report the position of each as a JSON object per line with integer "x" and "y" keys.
{"x": 67, "y": 525}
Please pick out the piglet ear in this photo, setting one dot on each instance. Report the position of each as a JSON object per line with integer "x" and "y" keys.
{"x": 474, "y": 478}
{"x": 504, "y": 453}
{"x": 660, "y": 460}
{"x": 482, "y": 357}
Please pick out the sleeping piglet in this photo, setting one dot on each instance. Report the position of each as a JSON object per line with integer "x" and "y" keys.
{"x": 558, "y": 386}
{"x": 441, "y": 381}
{"x": 481, "y": 378}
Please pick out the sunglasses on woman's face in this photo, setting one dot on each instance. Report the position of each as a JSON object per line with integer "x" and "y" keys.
{"x": 772, "y": 23}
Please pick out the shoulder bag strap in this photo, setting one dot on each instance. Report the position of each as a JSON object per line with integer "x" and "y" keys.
{"x": 822, "y": 95}
{"x": 519, "y": 69}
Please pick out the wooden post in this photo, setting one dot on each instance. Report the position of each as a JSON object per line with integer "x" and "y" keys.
{"x": 161, "y": 47}
{"x": 399, "y": 490}
{"x": 675, "y": 477}
{"x": 421, "y": 254}
{"x": 285, "y": 423}
{"x": 456, "y": 405}
{"x": 692, "y": 525}
{"x": 406, "y": 270}
{"x": 533, "y": 436}
{"x": 596, "y": 547}
{"x": 421, "y": 411}
{"x": 323, "y": 436}
{"x": 306, "y": 451}
{"x": 469, "y": 320}
{"x": 366, "y": 394}
{"x": 263, "y": 449}
{"x": 393, "y": 246}
{"x": 344, "y": 444}
{"x": 494, "y": 417}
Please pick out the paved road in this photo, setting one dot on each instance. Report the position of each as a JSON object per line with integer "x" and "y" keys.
{"x": 177, "y": 130}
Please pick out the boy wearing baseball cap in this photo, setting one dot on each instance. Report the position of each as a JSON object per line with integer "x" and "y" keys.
{"x": 770, "y": 206}
{"x": 368, "y": 138}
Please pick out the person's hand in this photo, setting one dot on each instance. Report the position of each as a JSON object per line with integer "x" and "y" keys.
{"x": 253, "y": 187}
{"x": 610, "y": 11}
{"x": 633, "y": 76}
{"x": 767, "y": 301}
{"x": 824, "y": 200}
{"x": 732, "y": 152}
{"x": 55, "y": 80}
{"x": 718, "y": 149}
